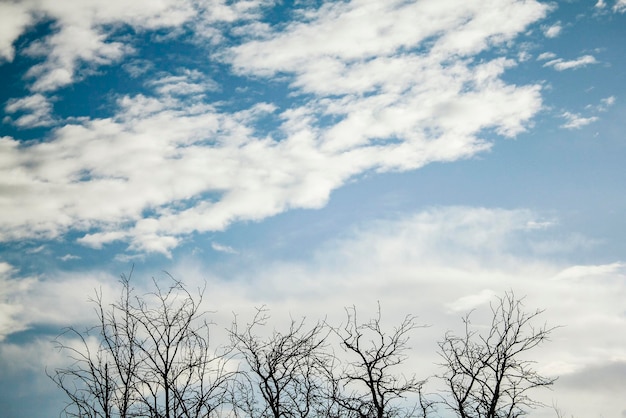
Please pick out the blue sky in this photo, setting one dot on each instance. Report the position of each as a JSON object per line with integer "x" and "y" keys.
{"x": 310, "y": 155}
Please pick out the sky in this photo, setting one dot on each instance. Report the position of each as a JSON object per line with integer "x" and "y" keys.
{"x": 309, "y": 155}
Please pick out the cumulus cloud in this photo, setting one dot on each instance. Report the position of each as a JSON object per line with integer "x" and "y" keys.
{"x": 620, "y": 6}
{"x": 560, "y": 65}
{"x": 169, "y": 164}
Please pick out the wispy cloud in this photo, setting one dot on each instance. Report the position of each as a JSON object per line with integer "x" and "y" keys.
{"x": 223, "y": 248}
{"x": 608, "y": 102}
{"x": 586, "y": 272}
{"x": 188, "y": 82}
{"x": 560, "y": 65}
{"x": 576, "y": 121}
{"x": 546, "y": 56}
{"x": 33, "y": 111}
{"x": 620, "y": 6}
{"x": 68, "y": 257}
{"x": 467, "y": 303}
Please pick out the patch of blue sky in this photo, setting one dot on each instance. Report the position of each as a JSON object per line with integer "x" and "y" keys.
{"x": 43, "y": 256}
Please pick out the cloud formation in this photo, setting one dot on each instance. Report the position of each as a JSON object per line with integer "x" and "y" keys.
{"x": 553, "y": 31}
{"x": 169, "y": 163}
{"x": 560, "y": 64}
{"x": 87, "y": 33}
{"x": 576, "y": 121}
{"x": 437, "y": 263}
{"x": 34, "y": 111}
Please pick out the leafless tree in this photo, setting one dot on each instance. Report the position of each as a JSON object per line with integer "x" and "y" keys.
{"x": 283, "y": 372}
{"x": 369, "y": 383}
{"x": 487, "y": 374}
{"x": 149, "y": 356}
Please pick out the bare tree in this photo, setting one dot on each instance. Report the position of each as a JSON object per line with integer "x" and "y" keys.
{"x": 369, "y": 384}
{"x": 149, "y": 356}
{"x": 283, "y": 373}
{"x": 487, "y": 374}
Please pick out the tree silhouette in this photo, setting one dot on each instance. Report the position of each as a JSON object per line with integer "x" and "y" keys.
{"x": 148, "y": 356}
{"x": 488, "y": 374}
{"x": 284, "y": 372}
{"x": 369, "y": 385}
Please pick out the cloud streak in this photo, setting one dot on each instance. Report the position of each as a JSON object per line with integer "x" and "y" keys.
{"x": 560, "y": 64}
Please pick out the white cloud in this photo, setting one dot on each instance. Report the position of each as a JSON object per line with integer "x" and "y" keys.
{"x": 560, "y": 65}
{"x": 546, "y": 56}
{"x": 188, "y": 82}
{"x": 576, "y": 121}
{"x": 68, "y": 257}
{"x": 14, "y": 18}
{"x": 587, "y": 272}
{"x": 13, "y": 306}
{"x": 609, "y": 101}
{"x": 34, "y": 110}
{"x": 441, "y": 263}
{"x": 604, "y": 104}
{"x": 467, "y": 303}
{"x": 620, "y": 6}
{"x": 84, "y": 32}
{"x": 59, "y": 298}
{"x": 397, "y": 102}
{"x": 37, "y": 250}
{"x": 223, "y": 248}
{"x": 553, "y": 31}
{"x": 348, "y": 32}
